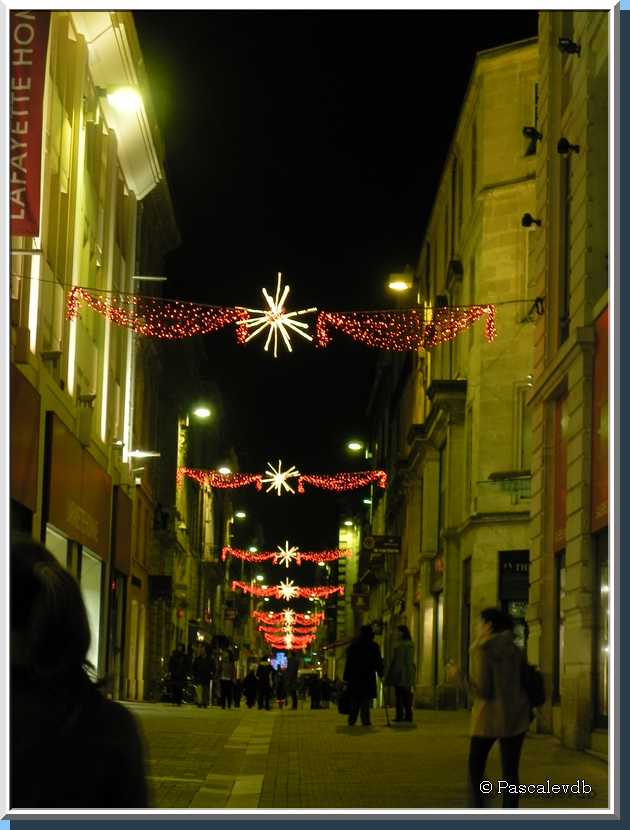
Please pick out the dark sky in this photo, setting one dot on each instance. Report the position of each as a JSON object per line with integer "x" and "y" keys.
{"x": 307, "y": 142}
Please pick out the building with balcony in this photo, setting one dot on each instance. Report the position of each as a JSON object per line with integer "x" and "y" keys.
{"x": 451, "y": 426}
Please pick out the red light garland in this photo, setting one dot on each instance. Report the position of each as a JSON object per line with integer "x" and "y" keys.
{"x": 279, "y": 616}
{"x": 263, "y": 556}
{"x": 405, "y": 330}
{"x": 337, "y": 482}
{"x": 294, "y": 629}
{"x": 211, "y": 478}
{"x": 340, "y": 482}
{"x": 155, "y": 317}
{"x": 288, "y": 591}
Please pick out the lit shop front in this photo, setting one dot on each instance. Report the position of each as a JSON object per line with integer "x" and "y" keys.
{"x": 77, "y": 511}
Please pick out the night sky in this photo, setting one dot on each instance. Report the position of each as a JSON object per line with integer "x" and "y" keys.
{"x": 307, "y": 142}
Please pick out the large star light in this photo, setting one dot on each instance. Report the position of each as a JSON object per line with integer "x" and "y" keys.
{"x": 287, "y": 589}
{"x": 277, "y": 479}
{"x": 276, "y": 319}
{"x": 288, "y": 640}
{"x": 287, "y": 555}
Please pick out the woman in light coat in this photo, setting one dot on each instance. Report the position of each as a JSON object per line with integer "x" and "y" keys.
{"x": 401, "y": 674}
{"x": 501, "y": 709}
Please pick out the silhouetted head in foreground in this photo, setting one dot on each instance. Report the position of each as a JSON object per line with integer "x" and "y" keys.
{"x": 50, "y": 633}
{"x": 366, "y": 632}
{"x": 405, "y": 634}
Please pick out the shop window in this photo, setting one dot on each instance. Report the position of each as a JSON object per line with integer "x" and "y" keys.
{"x": 438, "y": 628}
{"x": 91, "y": 589}
{"x": 514, "y": 590}
{"x": 466, "y": 615}
{"x": 559, "y": 590}
{"x": 57, "y": 545}
{"x": 601, "y": 631}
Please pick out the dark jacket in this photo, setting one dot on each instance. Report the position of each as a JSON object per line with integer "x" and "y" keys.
{"x": 263, "y": 676}
{"x": 203, "y": 669}
{"x": 363, "y": 663}
{"x": 178, "y": 666}
{"x": 401, "y": 670}
{"x": 501, "y": 707}
{"x": 73, "y": 749}
{"x": 250, "y": 685}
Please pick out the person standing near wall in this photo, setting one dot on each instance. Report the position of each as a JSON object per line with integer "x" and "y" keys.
{"x": 401, "y": 674}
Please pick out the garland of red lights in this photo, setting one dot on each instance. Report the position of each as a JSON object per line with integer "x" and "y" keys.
{"x": 337, "y": 482}
{"x": 264, "y": 556}
{"x": 211, "y": 478}
{"x": 397, "y": 330}
{"x": 294, "y": 629}
{"x": 404, "y": 330}
{"x": 340, "y": 482}
{"x": 278, "y": 617}
{"x": 296, "y": 643}
{"x": 155, "y": 317}
{"x": 297, "y": 591}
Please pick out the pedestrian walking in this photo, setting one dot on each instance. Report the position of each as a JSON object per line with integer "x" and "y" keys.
{"x": 363, "y": 663}
{"x": 263, "y": 679}
{"x": 203, "y": 671}
{"x": 227, "y": 674}
{"x": 281, "y": 689}
{"x": 250, "y": 687}
{"x": 178, "y": 669}
{"x": 315, "y": 691}
{"x": 293, "y": 665}
{"x": 237, "y": 692}
{"x": 70, "y": 746}
{"x": 501, "y": 708}
{"x": 401, "y": 674}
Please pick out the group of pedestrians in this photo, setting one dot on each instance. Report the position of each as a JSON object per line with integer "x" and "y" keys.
{"x": 501, "y": 711}
{"x": 62, "y": 717}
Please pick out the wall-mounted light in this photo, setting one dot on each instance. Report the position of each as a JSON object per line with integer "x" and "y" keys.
{"x": 118, "y": 443}
{"x": 201, "y": 412}
{"x": 143, "y": 454}
{"x": 528, "y": 220}
{"x": 224, "y": 470}
{"x": 240, "y": 514}
{"x": 149, "y": 279}
{"x": 252, "y": 549}
{"x": 568, "y": 46}
{"x": 532, "y": 132}
{"x": 355, "y": 445}
{"x": 348, "y": 523}
{"x": 121, "y": 98}
{"x": 564, "y": 147}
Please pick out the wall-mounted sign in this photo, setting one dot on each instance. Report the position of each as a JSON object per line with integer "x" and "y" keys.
{"x": 380, "y": 545}
{"x": 514, "y": 575}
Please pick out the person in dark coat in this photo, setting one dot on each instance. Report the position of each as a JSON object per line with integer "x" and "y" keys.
{"x": 263, "y": 679}
{"x": 401, "y": 674}
{"x": 293, "y": 665}
{"x": 178, "y": 669}
{"x": 203, "y": 672}
{"x": 363, "y": 663}
{"x": 250, "y": 687}
{"x": 501, "y": 709}
{"x": 71, "y": 748}
{"x": 281, "y": 688}
{"x": 315, "y": 691}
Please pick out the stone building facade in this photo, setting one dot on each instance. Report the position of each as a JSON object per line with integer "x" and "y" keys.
{"x": 568, "y": 611}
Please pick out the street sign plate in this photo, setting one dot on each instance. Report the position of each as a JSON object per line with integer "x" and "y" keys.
{"x": 387, "y": 544}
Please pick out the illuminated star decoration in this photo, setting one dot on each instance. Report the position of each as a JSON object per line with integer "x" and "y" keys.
{"x": 276, "y": 479}
{"x": 276, "y": 319}
{"x": 287, "y": 555}
{"x": 287, "y": 589}
{"x": 288, "y": 616}
{"x": 288, "y": 640}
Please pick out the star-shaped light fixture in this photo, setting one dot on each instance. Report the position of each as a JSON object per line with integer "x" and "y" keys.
{"x": 287, "y": 589}
{"x": 287, "y": 555}
{"x": 288, "y": 616}
{"x": 277, "y": 479}
{"x": 276, "y": 319}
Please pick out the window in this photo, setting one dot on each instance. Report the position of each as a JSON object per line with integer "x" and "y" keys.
{"x": 57, "y": 545}
{"x": 523, "y": 430}
{"x": 564, "y": 249}
{"x": 468, "y": 507}
{"x": 454, "y": 219}
{"x": 91, "y": 577}
{"x": 446, "y": 248}
{"x": 466, "y": 615}
{"x": 601, "y": 630}
{"x": 473, "y": 162}
{"x": 560, "y": 587}
{"x": 531, "y": 147}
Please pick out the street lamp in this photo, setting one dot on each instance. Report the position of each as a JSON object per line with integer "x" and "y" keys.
{"x": 348, "y": 523}
{"x": 240, "y": 514}
{"x": 201, "y": 412}
{"x": 355, "y": 445}
{"x": 122, "y": 98}
{"x": 260, "y": 578}
{"x": 252, "y": 549}
{"x": 224, "y": 470}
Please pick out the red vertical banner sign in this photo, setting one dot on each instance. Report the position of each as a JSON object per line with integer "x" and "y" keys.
{"x": 599, "y": 447}
{"x": 28, "y": 45}
{"x": 561, "y": 429}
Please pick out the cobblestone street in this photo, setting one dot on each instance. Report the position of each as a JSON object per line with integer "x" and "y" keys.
{"x": 244, "y": 758}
